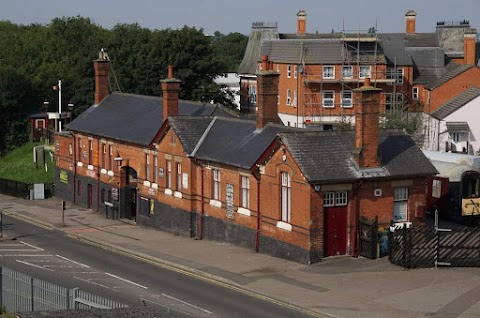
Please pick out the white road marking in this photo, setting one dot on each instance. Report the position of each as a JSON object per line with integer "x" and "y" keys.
{"x": 84, "y": 272}
{"x": 30, "y": 245}
{"x": 24, "y": 255}
{"x": 126, "y": 280}
{"x": 79, "y": 264}
{"x": 94, "y": 283}
{"x": 16, "y": 250}
{"x": 188, "y": 304}
{"x": 165, "y": 306}
{"x": 14, "y": 244}
{"x": 34, "y": 265}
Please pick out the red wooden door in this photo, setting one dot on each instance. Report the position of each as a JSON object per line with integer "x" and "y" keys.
{"x": 336, "y": 230}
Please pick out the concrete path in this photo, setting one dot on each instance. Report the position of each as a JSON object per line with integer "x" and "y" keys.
{"x": 339, "y": 286}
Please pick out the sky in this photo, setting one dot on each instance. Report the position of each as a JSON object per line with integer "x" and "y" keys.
{"x": 228, "y": 16}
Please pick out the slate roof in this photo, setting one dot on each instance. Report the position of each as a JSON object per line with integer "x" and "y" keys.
{"x": 453, "y": 126}
{"x": 236, "y": 142}
{"x": 319, "y": 51}
{"x": 327, "y": 156}
{"x": 132, "y": 118}
{"x": 189, "y": 129}
{"x": 252, "y": 52}
{"x": 456, "y": 103}
{"x": 451, "y": 71}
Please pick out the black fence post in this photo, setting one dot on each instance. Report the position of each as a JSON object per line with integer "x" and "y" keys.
{"x": 32, "y": 294}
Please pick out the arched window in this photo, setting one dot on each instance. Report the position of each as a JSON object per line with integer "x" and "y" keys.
{"x": 286, "y": 197}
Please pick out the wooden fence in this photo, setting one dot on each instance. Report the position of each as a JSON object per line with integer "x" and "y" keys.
{"x": 426, "y": 246}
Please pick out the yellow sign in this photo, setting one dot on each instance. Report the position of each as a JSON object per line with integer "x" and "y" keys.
{"x": 63, "y": 176}
{"x": 471, "y": 206}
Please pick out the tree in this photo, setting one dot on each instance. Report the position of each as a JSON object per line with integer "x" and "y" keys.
{"x": 230, "y": 48}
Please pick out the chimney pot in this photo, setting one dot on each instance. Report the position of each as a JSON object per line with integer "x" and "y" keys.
{"x": 265, "y": 62}
{"x": 410, "y": 17}
{"x": 102, "y": 69}
{"x": 171, "y": 89}
{"x": 301, "y": 22}
{"x": 267, "y": 92}
{"x": 170, "y": 71}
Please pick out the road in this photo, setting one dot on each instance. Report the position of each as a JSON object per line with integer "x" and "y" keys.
{"x": 55, "y": 257}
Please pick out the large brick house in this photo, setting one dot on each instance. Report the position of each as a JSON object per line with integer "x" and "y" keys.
{"x": 288, "y": 192}
{"x": 319, "y": 71}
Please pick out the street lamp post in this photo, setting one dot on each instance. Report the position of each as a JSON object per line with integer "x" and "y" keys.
{"x": 59, "y": 105}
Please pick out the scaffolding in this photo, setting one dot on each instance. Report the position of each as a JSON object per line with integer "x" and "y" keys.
{"x": 359, "y": 48}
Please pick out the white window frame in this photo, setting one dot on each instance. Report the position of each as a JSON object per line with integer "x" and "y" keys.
{"x": 289, "y": 97}
{"x": 169, "y": 174}
{"x": 295, "y": 96}
{"x": 245, "y": 200}
{"x": 400, "y": 204}
{"x": 155, "y": 169}
{"x": 110, "y": 163}
{"x": 147, "y": 166}
{"x": 436, "y": 188}
{"x": 295, "y": 71}
{"x": 179, "y": 176}
{"x": 278, "y": 68}
{"x": 252, "y": 94}
{"x": 216, "y": 184}
{"x": 289, "y": 71}
{"x": 395, "y": 74}
{"x": 364, "y": 71}
{"x": 390, "y": 102}
{"x": 347, "y": 102}
{"x": 286, "y": 197}
{"x": 329, "y": 199}
{"x": 349, "y": 74}
{"x": 415, "y": 93}
{"x": 104, "y": 155}
{"x": 328, "y": 72}
{"x": 341, "y": 198}
{"x": 328, "y": 102}
{"x": 459, "y": 136}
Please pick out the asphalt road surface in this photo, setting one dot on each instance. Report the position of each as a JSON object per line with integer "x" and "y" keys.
{"x": 52, "y": 256}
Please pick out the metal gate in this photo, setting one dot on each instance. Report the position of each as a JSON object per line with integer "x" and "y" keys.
{"x": 368, "y": 232}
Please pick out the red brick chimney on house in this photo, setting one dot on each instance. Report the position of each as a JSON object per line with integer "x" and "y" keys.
{"x": 367, "y": 125}
{"x": 410, "y": 21}
{"x": 469, "y": 39}
{"x": 171, "y": 90}
{"x": 301, "y": 22}
{"x": 102, "y": 68}
{"x": 267, "y": 91}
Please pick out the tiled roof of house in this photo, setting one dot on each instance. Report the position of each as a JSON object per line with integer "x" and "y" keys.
{"x": 131, "y": 118}
{"x": 456, "y": 103}
{"x": 327, "y": 156}
{"x": 236, "y": 142}
{"x": 320, "y": 51}
{"x": 451, "y": 71}
{"x": 189, "y": 129}
{"x": 457, "y": 126}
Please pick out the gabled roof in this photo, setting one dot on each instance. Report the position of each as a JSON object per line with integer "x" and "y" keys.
{"x": 132, "y": 118}
{"x": 236, "y": 142}
{"x": 456, "y": 103}
{"x": 457, "y": 126}
{"x": 189, "y": 129}
{"x": 252, "y": 52}
{"x": 451, "y": 71}
{"x": 327, "y": 156}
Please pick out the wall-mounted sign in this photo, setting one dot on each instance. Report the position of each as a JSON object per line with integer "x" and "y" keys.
{"x": 63, "y": 177}
{"x": 115, "y": 194}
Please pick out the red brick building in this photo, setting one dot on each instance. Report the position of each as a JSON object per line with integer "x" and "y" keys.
{"x": 319, "y": 71}
{"x": 288, "y": 192}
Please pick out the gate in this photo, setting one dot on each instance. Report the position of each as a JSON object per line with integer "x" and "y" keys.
{"x": 368, "y": 230}
{"x": 426, "y": 246}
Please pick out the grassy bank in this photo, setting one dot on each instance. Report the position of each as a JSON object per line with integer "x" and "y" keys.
{"x": 18, "y": 165}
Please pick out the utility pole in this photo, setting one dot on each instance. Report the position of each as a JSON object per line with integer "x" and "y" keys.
{"x": 59, "y": 105}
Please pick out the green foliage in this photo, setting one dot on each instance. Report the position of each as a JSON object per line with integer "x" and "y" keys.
{"x": 34, "y": 57}
{"x": 18, "y": 165}
{"x": 230, "y": 49}
{"x": 408, "y": 121}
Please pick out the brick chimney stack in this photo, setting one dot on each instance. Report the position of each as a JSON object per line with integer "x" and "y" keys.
{"x": 301, "y": 22}
{"x": 171, "y": 90}
{"x": 102, "y": 68}
{"x": 410, "y": 17}
{"x": 367, "y": 125}
{"x": 469, "y": 39}
{"x": 267, "y": 90}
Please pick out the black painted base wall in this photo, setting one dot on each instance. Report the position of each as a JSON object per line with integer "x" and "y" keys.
{"x": 167, "y": 218}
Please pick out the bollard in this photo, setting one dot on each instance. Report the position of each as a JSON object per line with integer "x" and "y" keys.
{"x": 63, "y": 213}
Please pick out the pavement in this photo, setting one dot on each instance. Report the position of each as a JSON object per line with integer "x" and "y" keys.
{"x": 335, "y": 287}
